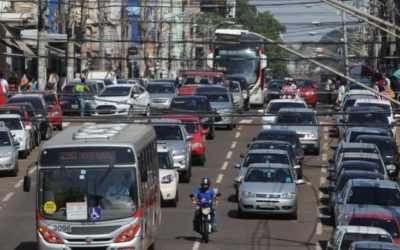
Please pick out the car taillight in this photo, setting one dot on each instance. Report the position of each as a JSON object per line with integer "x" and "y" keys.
{"x": 128, "y": 234}
{"x": 50, "y": 236}
{"x": 62, "y": 103}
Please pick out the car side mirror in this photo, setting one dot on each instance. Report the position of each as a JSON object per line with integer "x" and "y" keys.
{"x": 331, "y": 170}
{"x": 238, "y": 180}
{"x": 189, "y": 138}
{"x": 261, "y": 111}
{"x": 236, "y": 166}
{"x": 27, "y": 184}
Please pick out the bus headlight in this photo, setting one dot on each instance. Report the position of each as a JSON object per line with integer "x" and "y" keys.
{"x": 391, "y": 168}
{"x": 128, "y": 234}
{"x": 50, "y": 236}
{"x": 167, "y": 179}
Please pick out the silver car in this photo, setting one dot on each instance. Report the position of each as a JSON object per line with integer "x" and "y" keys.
{"x": 175, "y": 136}
{"x": 268, "y": 188}
{"x": 161, "y": 94}
{"x": 222, "y": 102}
{"x": 8, "y": 152}
{"x": 236, "y": 91}
{"x": 305, "y": 122}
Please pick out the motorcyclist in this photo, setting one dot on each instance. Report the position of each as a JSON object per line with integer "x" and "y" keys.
{"x": 289, "y": 90}
{"x": 208, "y": 195}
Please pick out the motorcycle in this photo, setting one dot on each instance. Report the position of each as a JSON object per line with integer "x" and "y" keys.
{"x": 202, "y": 220}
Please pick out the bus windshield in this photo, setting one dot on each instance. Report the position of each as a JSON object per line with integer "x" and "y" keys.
{"x": 239, "y": 62}
{"x": 87, "y": 194}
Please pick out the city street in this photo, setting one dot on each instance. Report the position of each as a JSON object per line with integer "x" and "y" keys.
{"x": 310, "y": 231}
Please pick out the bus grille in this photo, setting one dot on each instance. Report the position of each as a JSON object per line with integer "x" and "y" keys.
{"x": 93, "y": 230}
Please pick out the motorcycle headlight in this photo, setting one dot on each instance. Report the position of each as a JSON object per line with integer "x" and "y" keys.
{"x": 247, "y": 194}
{"x": 6, "y": 154}
{"x": 288, "y": 196}
{"x": 391, "y": 168}
{"x": 197, "y": 145}
{"x": 176, "y": 152}
{"x": 167, "y": 179}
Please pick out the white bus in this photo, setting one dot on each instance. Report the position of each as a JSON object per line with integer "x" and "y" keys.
{"x": 98, "y": 188}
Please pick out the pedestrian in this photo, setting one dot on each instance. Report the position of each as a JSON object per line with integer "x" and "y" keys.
{"x": 80, "y": 89}
{"x": 3, "y": 83}
{"x": 77, "y": 77}
{"x": 13, "y": 82}
{"x": 23, "y": 83}
{"x": 62, "y": 82}
{"x": 386, "y": 79}
{"x": 53, "y": 80}
{"x": 34, "y": 84}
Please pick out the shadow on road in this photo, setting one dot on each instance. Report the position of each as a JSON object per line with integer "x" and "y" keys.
{"x": 232, "y": 198}
{"x": 26, "y": 245}
{"x": 324, "y": 190}
{"x": 188, "y": 238}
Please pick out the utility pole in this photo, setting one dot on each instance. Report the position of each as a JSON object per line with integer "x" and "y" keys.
{"x": 123, "y": 54}
{"x": 84, "y": 54}
{"x": 345, "y": 44}
{"x": 42, "y": 33}
{"x": 101, "y": 32}
{"x": 70, "y": 42}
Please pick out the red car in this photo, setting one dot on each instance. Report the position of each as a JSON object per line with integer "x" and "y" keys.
{"x": 379, "y": 218}
{"x": 54, "y": 109}
{"x": 192, "y": 79}
{"x": 194, "y": 128}
{"x": 307, "y": 90}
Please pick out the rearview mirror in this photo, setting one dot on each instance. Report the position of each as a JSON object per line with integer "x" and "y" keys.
{"x": 27, "y": 183}
{"x": 236, "y": 166}
{"x": 338, "y": 199}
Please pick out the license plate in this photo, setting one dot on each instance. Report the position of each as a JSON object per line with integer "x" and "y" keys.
{"x": 267, "y": 205}
{"x": 74, "y": 106}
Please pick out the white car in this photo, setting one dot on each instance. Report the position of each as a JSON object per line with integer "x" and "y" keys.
{"x": 21, "y": 134}
{"x": 379, "y": 103}
{"x": 169, "y": 176}
{"x": 269, "y": 114}
{"x": 121, "y": 99}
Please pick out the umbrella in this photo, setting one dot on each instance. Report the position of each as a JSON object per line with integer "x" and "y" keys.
{"x": 397, "y": 73}
{"x": 361, "y": 70}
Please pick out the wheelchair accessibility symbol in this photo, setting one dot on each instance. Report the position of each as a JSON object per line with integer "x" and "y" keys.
{"x": 95, "y": 213}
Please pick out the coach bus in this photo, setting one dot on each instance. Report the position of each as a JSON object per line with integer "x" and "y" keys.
{"x": 240, "y": 53}
{"x": 98, "y": 188}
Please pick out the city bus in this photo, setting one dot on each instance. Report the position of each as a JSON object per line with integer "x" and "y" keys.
{"x": 240, "y": 53}
{"x": 98, "y": 188}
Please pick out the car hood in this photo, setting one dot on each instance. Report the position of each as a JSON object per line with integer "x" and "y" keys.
{"x": 174, "y": 144}
{"x": 257, "y": 187}
{"x": 298, "y": 129}
{"x": 4, "y": 149}
{"x": 159, "y": 95}
{"x": 165, "y": 172}
{"x": 221, "y": 105}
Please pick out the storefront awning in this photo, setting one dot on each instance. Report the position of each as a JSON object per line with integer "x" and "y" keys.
{"x": 13, "y": 41}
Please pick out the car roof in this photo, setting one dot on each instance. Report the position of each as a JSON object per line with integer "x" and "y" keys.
{"x": 202, "y": 73}
{"x": 373, "y": 214}
{"x": 181, "y": 117}
{"x": 358, "y": 162}
{"x": 362, "y": 230}
{"x": 360, "y": 92}
{"x": 211, "y": 87}
{"x": 268, "y": 165}
{"x": 373, "y": 183}
{"x": 364, "y": 109}
{"x": 300, "y": 110}
{"x": 189, "y": 97}
{"x": 277, "y": 131}
{"x": 165, "y": 122}
{"x": 267, "y": 151}
{"x": 375, "y": 245}
{"x": 127, "y": 85}
{"x": 160, "y": 82}
{"x": 270, "y": 142}
{"x": 361, "y": 174}
{"x": 26, "y": 96}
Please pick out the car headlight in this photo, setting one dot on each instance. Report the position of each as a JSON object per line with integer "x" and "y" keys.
{"x": 6, "y": 154}
{"x": 167, "y": 179}
{"x": 288, "y": 196}
{"x": 391, "y": 168}
{"x": 247, "y": 194}
{"x": 177, "y": 152}
{"x": 197, "y": 145}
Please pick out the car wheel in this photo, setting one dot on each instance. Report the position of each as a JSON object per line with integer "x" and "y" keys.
{"x": 14, "y": 172}
{"x": 240, "y": 213}
{"x": 49, "y": 132}
{"x": 186, "y": 176}
{"x": 293, "y": 216}
{"x": 60, "y": 127}
{"x": 38, "y": 139}
{"x": 202, "y": 160}
{"x": 229, "y": 127}
{"x": 24, "y": 154}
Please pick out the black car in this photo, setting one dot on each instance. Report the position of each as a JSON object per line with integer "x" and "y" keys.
{"x": 388, "y": 148}
{"x": 273, "y": 90}
{"x": 198, "y": 106}
{"x": 69, "y": 100}
{"x": 40, "y": 106}
{"x": 282, "y": 135}
{"x": 245, "y": 89}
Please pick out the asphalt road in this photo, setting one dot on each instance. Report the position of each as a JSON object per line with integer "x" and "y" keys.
{"x": 309, "y": 231}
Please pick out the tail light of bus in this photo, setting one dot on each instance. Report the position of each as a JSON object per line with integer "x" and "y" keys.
{"x": 50, "y": 236}
{"x": 128, "y": 234}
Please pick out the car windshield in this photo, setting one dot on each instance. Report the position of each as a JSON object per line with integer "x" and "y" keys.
{"x": 116, "y": 91}
{"x": 36, "y": 103}
{"x": 274, "y": 107}
{"x": 234, "y": 87}
{"x": 381, "y": 106}
{"x": 4, "y": 139}
{"x": 386, "y": 147}
{"x": 389, "y": 224}
{"x": 213, "y": 95}
{"x": 265, "y": 158}
{"x": 50, "y": 99}
{"x": 303, "y": 83}
{"x": 275, "y": 85}
{"x": 349, "y": 238}
{"x": 275, "y": 175}
{"x": 374, "y": 196}
{"x": 160, "y": 89}
{"x": 291, "y": 138}
{"x": 11, "y": 123}
{"x": 204, "y": 80}
{"x": 87, "y": 195}
{"x": 370, "y": 118}
{"x": 168, "y": 132}
{"x": 190, "y": 126}
{"x": 164, "y": 160}
{"x": 296, "y": 118}
{"x": 191, "y": 104}
{"x": 355, "y": 134}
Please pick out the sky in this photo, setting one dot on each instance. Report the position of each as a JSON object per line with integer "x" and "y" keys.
{"x": 298, "y": 15}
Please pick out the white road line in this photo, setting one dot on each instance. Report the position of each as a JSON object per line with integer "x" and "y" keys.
{"x": 323, "y": 170}
{"x": 237, "y": 135}
{"x": 324, "y": 157}
{"x": 318, "y": 246}
{"x": 7, "y": 197}
{"x": 196, "y": 246}
{"x": 322, "y": 181}
{"x": 219, "y": 178}
{"x": 233, "y": 145}
{"x": 32, "y": 171}
{"x": 246, "y": 121}
{"x": 326, "y": 136}
{"x": 318, "y": 230}
{"x": 225, "y": 165}
{"x": 325, "y": 146}
{"x": 320, "y": 195}
{"x": 19, "y": 184}
{"x": 66, "y": 124}
{"x": 326, "y": 129}
{"x": 229, "y": 155}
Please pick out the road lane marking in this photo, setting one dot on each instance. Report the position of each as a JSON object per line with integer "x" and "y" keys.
{"x": 233, "y": 145}
{"x": 248, "y": 121}
{"x": 19, "y": 183}
{"x": 32, "y": 171}
{"x": 225, "y": 165}
{"x": 322, "y": 181}
{"x": 196, "y": 245}
{"x": 326, "y": 129}
{"x": 66, "y": 124}
{"x": 320, "y": 195}
{"x": 324, "y": 157}
{"x": 229, "y": 155}
{"x": 318, "y": 246}
{"x": 325, "y": 146}
{"x": 219, "y": 178}
{"x": 323, "y": 170}
{"x": 8, "y": 196}
{"x": 237, "y": 135}
{"x": 326, "y": 136}
{"x": 318, "y": 231}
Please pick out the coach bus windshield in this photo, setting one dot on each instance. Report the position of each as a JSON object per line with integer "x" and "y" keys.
{"x": 241, "y": 62}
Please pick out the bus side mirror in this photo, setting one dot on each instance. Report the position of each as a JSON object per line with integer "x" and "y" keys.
{"x": 210, "y": 59}
{"x": 263, "y": 62}
{"x": 27, "y": 184}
